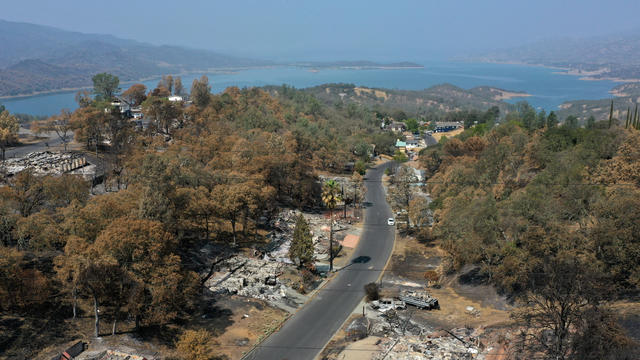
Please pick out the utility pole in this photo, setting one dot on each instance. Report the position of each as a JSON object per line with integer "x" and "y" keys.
{"x": 355, "y": 199}
{"x": 344, "y": 216}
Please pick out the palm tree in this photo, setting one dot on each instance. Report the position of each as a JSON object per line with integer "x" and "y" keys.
{"x": 330, "y": 197}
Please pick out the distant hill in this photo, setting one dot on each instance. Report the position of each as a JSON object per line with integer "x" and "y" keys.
{"x": 627, "y": 96}
{"x": 604, "y": 57}
{"x": 37, "y": 58}
{"x": 362, "y": 64}
{"x": 435, "y": 100}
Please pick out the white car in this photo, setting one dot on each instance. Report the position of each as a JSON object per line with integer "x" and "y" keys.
{"x": 391, "y": 222}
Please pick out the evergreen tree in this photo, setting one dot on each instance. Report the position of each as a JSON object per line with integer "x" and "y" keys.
{"x": 105, "y": 86}
{"x": 552, "y": 120}
{"x": 571, "y": 122}
{"x": 301, "y": 250}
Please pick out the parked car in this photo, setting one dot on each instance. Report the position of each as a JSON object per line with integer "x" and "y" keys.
{"x": 391, "y": 222}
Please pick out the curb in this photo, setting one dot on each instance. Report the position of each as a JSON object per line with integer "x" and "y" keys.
{"x": 312, "y": 295}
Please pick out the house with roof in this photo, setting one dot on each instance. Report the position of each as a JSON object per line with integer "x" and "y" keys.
{"x": 401, "y": 145}
{"x": 414, "y": 143}
{"x": 397, "y": 127}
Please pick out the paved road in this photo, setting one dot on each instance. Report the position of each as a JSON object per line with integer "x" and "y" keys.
{"x": 430, "y": 140}
{"x": 22, "y": 150}
{"x": 305, "y": 334}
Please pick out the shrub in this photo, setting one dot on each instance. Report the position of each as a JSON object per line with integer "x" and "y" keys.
{"x": 372, "y": 291}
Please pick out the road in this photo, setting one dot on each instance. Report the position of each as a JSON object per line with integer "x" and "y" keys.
{"x": 305, "y": 334}
{"x": 18, "y": 151}
{"x": 430, "y": 140}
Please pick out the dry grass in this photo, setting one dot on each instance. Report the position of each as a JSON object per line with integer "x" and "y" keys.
{"x": 411, "y": 260}
{"x": 450, "y": 134}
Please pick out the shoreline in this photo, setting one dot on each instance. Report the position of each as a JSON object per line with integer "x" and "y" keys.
{"x": 508, "y": 95}
{"x": 582, "y": 74}
{"x": 230, "y": 70}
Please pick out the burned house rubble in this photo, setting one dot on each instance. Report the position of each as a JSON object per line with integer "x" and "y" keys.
{"x": 51, "y": 163}
{"x": 258, "y": 273}
{"x": 397, "y": 336}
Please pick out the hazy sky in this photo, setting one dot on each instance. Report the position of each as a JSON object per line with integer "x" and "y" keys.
{"x": 334, "y": 29}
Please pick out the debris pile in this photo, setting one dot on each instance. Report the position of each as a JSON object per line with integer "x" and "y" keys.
{"x": 403, "y": 338}
{"x": 420, "y": 300}
{"x": 245, "y": 276}
{"x": 46, "y": 163}
{"x": 283, "y": 226}
{"x": 426, "y": 347}
{"x": 358, "y": 329}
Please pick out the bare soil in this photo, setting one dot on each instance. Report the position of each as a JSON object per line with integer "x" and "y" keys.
{"x": 410, "y": 261}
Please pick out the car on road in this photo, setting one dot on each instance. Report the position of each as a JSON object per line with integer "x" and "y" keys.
{"x": 391, "y": 222}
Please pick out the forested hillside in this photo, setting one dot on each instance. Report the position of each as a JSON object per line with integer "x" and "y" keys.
{"x": 552, "y": 217}
{"x": 435, "y": 101}
{"x": 202, "y": 174}
{"x": 38, "y": 58}
{"x": 602, "y": 57}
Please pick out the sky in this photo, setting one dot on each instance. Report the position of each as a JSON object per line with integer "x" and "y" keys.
{"x": 391, "y": 30}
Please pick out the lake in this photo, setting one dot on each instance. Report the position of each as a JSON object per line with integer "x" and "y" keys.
{"x": 548, "y": 89}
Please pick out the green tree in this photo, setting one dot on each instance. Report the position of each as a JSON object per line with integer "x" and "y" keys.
{"x": 571, "y": 122}
{"x": 105, "y": 86}
{"x": 301, "y": 250}
{"x": 412, "y": 124}
{"x": 552, "y": 120}
{"x": 400, "y": 157}
{"x": 360, "y": 167}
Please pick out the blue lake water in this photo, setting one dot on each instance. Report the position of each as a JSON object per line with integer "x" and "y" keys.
{"x": 548, "y": 89}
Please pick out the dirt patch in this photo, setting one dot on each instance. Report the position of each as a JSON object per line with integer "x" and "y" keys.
{"x": 237, "y": 323}
{"x": 252, "y": 321}
{"x": 411, "y": 260}
{"x": 450, "y": 134}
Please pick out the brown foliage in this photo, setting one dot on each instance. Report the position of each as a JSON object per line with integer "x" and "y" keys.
{"x": 454, "y": 147}
{"x": 136, "y": 94}
{"x": 195, "y": 345}
{"x": 474, "y": 145}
